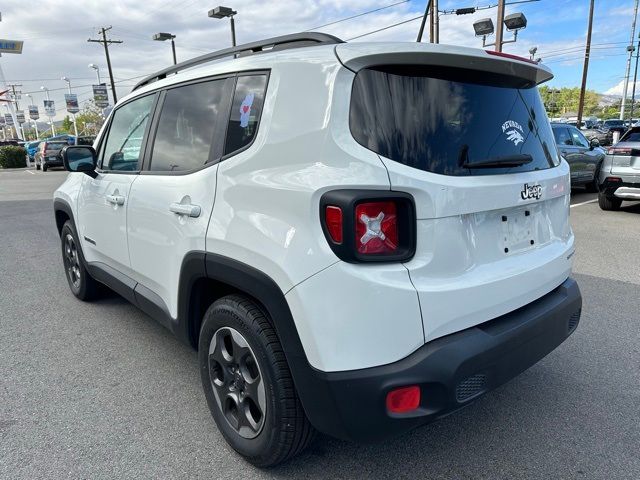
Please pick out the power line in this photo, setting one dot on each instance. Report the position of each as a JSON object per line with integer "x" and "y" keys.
{"x": 359, "y": 14}
{"x": 386, "y": 28}
{"x": 89, "y": 84}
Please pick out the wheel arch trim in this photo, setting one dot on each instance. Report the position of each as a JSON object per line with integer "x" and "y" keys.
{"x": 246, "y": 279}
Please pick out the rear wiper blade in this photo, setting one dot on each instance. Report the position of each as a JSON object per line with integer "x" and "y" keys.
{"x": 501, "y": 162}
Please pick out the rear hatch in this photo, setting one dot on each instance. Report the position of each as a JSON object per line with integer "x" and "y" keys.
{"x": 625, "y": 156}
{"x": 466, "y": 134}
{"x": 52, "y": 149}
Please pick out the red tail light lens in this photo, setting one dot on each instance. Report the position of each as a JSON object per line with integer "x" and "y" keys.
{"x": 403, "y": 400}
{"x": 333, "y": 219}
{"x": 376, "y": 228}
{"x": 369, "y": 225}
{"x": 619, "y": 151}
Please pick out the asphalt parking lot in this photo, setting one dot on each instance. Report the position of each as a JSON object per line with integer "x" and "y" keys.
{"x": 102, "y": 391}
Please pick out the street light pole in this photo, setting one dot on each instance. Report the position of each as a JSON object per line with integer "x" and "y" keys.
{"x": 73, "y": 115}
{"x": 222, "y": 12}
{"x": 35, "y": 122}
{"x": 173, "y": 49}
{"x": 635, "y": 79}
{"x": 53, "y": 128}
{"x": 162, "y": 36}
{"x": 97, "y": 69}
{"x": 630, "y": 49}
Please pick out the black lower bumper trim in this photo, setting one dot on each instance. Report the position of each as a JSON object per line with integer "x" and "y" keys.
{"x": 451, "y": 371}
{"x": 609, "y": 188}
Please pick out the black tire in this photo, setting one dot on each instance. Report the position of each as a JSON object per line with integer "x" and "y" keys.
{"x": 593, "y": 187}
{"x": 283, "y": 429}
{"x": 608, "y": 203}
{"x": 82, "y": 285}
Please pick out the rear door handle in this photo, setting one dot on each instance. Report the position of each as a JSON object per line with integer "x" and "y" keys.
{"x": 115, "y": 199}
{"x": 192, "y": 211}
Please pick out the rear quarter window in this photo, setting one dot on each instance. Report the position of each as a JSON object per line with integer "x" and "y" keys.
{"x": 248, "y": 100}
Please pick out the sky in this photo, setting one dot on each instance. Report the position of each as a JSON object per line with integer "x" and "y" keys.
{"x": 55, "y": 34}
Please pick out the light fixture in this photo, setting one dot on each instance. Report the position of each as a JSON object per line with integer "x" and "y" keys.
{"x": 483, "y": 27}
{"x": 515, "y": 21}
{"x": 221, "y": 12}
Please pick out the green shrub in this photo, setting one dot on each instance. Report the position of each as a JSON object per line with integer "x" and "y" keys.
{"x": 13, "y": 157}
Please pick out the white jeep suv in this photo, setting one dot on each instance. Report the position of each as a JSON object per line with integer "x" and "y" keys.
{"x": 357, "y": 238}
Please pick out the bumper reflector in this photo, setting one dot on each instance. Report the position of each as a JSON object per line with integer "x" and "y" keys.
{"x": 403, "y": 400}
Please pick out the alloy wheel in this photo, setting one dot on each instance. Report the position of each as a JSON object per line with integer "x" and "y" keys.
{"x": 237, "y": 382}
{"x": 72, "y": 260}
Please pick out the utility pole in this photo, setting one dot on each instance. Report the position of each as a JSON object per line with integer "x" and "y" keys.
{"x": 105, "y": 43}
{"x": 635, "y": 79}
{"x": 432, "y": 24}
{"x": 585, "y": 69}
{"x": 15, "y": 93}
{"x": 630, "y": 48}
{"x": 500, "y": 25}
{"x": 436, "y": 22}
{"x": 427, "y": 11}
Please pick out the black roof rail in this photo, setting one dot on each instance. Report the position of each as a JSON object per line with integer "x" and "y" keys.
{"x": 294, "y": 40}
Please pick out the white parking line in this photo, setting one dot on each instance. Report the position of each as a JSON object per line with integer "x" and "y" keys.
{"x": 583, "y": 203}
{"x": 29, "y": 171}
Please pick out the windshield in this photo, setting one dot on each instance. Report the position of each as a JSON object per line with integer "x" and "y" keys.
{"x": 444, "y": 120}
{"x": 614, "y": 123}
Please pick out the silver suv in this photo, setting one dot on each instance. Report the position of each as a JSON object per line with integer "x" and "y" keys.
{"x": 620, "y": 173}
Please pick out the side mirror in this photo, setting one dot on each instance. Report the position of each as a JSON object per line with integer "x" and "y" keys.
{"x": 593, "y": 143}
{"x": 77, "y": 158}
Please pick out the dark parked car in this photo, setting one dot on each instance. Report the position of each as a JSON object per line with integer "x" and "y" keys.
{"x": 85, "y": 140}
{"x": 48, "y": 154}
{"x": 32, "y": 149}
{"x": 616, "y": 125}
{"x": 605, "y": 137}
{"x": 584, "y": 156}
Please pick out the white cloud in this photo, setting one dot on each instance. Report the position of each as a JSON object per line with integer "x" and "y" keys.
{"x": 619, "y": 89}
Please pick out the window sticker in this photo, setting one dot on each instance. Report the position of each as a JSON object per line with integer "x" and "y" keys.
{"x": 245, "y": 110}
{"x": 514, "y": 132}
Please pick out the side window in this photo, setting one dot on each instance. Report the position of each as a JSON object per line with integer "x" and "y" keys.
{"x": 187, "y": 126}
{"x": 579, "y": 139}
{"x": 562, "y": 136}
{"x": 245, "y": 111}
{"x": 125, "y": 138}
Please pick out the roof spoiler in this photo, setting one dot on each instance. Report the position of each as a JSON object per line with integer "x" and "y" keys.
{"x": 358, "y": 56}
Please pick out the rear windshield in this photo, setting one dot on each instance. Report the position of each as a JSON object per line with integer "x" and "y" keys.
{"x": 442, "y": 120}
{"x": 614, "y": 123}
{"x": 56, "y": 145}
{"x": 632, "y": 135}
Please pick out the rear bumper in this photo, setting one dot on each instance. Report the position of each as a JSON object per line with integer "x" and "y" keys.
{"x": 52, "y": 163}
{"x": 627, "y": 189}
{"x": 451, "y": 371}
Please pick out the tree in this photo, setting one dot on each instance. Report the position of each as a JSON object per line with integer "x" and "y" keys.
{"x": 90, "y": 119}
{"x": 67, "y": 125}
{"x": 565, "y": 100}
